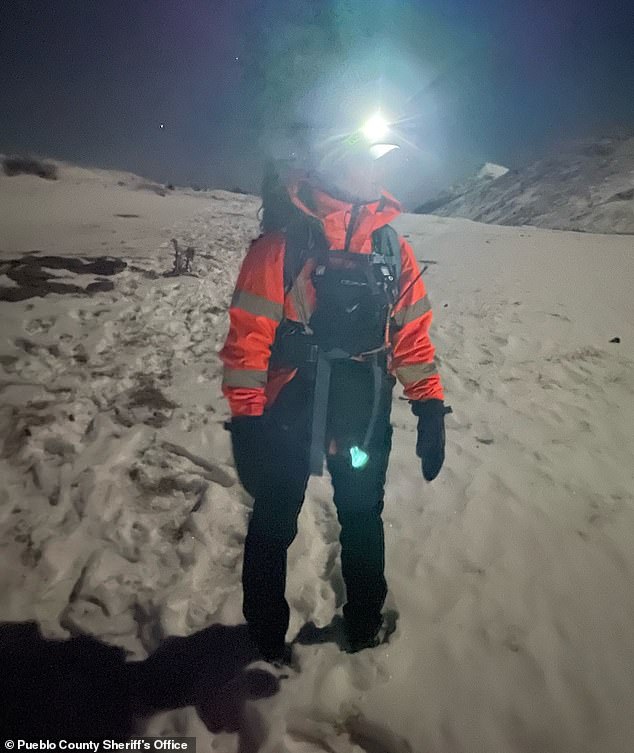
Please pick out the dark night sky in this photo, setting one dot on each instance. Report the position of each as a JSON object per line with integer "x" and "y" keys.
{"x": 92, "y": 80}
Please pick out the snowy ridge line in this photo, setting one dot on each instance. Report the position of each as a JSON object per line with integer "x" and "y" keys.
{"x": 587, "y": 186}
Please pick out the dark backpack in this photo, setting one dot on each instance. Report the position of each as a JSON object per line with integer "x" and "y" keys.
{"x": 355, "y": 294}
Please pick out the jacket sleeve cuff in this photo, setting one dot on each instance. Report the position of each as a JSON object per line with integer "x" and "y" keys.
{"x": 246, "y": 402}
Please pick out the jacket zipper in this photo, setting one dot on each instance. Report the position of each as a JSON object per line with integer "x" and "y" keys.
{"x": 353, "y": 221}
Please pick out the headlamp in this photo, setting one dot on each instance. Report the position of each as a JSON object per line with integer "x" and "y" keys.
{"x": 376, "y": 127}
{"x": 369, "y": 138}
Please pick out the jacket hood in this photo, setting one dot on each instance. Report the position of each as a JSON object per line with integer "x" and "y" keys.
{"x": 335, "y": 212}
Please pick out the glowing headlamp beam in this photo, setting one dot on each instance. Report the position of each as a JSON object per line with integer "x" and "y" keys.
{"x": 375, "y": 127}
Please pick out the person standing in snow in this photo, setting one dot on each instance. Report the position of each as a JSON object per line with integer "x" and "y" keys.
{"x": 328, "y": 310}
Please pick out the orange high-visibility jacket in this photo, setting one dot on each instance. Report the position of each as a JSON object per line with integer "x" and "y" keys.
{"x": 260, "y": 303}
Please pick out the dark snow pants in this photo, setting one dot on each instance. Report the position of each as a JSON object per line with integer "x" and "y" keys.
{"x": 358, "y": 497}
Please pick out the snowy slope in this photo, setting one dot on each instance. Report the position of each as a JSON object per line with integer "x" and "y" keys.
{"x": 472, "y": 186}
{"x": 491, "y": 170}
{"x": 90, "y": 210}
{"x": 588, "y": 186}
{"x": 511, "y": 573}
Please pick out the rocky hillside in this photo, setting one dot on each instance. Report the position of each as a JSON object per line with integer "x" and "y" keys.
{"x": 587, "y": 186}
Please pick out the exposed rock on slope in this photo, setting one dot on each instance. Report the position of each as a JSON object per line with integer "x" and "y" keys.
{"x": 588, "y": 186}
{"x": 472, "y": 186}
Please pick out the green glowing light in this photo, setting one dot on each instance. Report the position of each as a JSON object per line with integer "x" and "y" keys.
{"x": 358, "y": 457}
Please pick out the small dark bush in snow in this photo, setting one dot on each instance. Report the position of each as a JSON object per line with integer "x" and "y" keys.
{"x": 29, "y": 166}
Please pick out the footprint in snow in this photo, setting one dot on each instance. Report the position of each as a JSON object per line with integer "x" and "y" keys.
{"x": 353, "y": 734}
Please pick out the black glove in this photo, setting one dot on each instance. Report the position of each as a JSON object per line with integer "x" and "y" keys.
{"x": 430, "y": 446}
{"x": 249, "y": 442}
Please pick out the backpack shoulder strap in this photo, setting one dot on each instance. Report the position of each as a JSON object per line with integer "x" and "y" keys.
{"x": 303, "y": 240}
{"x": 387, "y": 244}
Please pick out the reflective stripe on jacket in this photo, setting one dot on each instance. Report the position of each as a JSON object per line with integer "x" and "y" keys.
{"x": 259, "y": 304}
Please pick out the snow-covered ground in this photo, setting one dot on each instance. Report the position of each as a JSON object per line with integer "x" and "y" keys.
{"x": 587, "y": 185}
{"x": 89, "y": 211}
{"x": 511, "y": 574}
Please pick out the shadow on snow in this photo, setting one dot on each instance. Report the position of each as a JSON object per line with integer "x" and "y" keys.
{"x": 82, "y": 688}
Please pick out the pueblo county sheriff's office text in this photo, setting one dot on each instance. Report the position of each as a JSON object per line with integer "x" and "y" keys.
{"x": 141, "y": 744}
